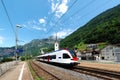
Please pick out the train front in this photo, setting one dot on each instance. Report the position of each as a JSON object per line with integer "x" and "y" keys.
{"x": 74, "y": 58}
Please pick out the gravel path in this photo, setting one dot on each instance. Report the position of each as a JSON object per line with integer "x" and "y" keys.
{"x": 107, "y": 66}
{"x": 65, "y": 74}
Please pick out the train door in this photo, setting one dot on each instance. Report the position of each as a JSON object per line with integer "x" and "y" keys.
{"x": 66, "y": 58}
{"x": 59, "y": 57}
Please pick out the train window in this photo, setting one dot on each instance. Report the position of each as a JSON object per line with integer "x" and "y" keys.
{"x": 72, "y": 53}
{"x": 39, "y": 57}
{"x": 65, "y": 56}
{"x": 59, "y": 57}
{"x": 53, "y": 57}
{"x": 46, "y": 57}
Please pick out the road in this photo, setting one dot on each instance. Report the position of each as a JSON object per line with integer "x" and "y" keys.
{"x": 18, "y": 72}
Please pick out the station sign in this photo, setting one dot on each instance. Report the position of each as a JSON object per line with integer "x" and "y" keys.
{"x": 19, "y": 50}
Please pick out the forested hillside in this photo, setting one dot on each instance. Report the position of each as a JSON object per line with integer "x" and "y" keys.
{"x": 103, "y": 28}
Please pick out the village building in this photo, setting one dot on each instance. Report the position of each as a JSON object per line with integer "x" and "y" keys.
{"x": 111, "y": 53}
{"x": 91, "y": 53}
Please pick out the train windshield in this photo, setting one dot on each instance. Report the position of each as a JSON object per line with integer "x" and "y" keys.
{"x": 72, "y": 53}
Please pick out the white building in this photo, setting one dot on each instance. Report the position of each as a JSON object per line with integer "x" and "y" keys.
{"x": 111, "y": 53}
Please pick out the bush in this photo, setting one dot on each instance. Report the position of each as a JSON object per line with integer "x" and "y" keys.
{"x": 7, "y": 60}
{"x": 23, "y": 58}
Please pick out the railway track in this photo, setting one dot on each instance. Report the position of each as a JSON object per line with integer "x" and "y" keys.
{"x": 38, "y": 69}
{"x": 100, "y": 73}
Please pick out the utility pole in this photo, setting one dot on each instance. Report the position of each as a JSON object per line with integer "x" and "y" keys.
{"x": 16, "y": 40}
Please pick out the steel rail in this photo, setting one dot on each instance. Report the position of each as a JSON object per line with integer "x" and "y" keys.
{"x": 101, "y": 73}
{"x": 37, "y": 65}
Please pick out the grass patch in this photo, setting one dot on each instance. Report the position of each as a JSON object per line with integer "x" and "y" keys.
{"x": 81, "y": 46}
{"x": 102, "y": 45}
{"x": 35, "y": 76}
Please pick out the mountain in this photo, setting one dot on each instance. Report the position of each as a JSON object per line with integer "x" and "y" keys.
{"x": 103, "y": 28}
{"x": 32, "y": 48}
{"x": 36, "y": 45}
{"x": 8, "y": 51}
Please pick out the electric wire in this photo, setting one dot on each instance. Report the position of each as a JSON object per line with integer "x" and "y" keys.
{"x": 100, "y": 6}
{"x": 62, "y": 16}
{"x": 51, "y": 18}
{"x": 52, "y": 15}
{"x": 8, "y": 16}
{"x": 91, "y": 13}
{"x": 86, "y": 13}
{"x": 79, "y": 10}
{"x": 72, "y": 14}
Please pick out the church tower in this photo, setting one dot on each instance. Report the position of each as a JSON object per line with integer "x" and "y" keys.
{"x": 56, "y": 44}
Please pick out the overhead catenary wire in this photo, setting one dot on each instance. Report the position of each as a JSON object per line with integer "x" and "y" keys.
{"x": 88, "y": 4}
{"x": 91, "y": 13}
{"x": 100, "y": 6}
{"x": 94, "y": 11}
{"x": 62, "y": 16}
{"x": 8, "y": 16}
{"x": 83, "y": 9}
{"x": 51, "y": 17}
{"x": 79, "y": 10}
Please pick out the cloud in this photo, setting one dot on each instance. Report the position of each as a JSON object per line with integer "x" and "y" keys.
{"x": 63, "y": 33}
{"x": 1, "y": 39}
{"x": 59, "y": 7}
{"x": 38, "y": 28}
{"x": 35, "y": 25}
{"x": 42, "y": 21}
{"x": 54, "y": 5}
{"x": 62, "y": 8}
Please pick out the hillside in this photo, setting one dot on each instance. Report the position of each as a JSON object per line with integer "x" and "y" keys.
{"x": 103, "y": 28}
{"x": 36, "y": 45}
{"x": 31, "y": 48}
{"x": 8, "y": 51}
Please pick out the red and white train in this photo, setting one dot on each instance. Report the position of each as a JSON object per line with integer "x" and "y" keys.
{"x": 63, "y": 57}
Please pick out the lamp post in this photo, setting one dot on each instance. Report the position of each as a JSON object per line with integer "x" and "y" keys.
{"x": 16, "y": 39}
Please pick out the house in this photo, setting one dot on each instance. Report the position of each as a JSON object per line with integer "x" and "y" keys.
{"x": 111, "y": 53}
{"x": 90, "y": 53}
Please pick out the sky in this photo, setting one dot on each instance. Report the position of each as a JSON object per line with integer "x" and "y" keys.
{"x": 39, "y": 19}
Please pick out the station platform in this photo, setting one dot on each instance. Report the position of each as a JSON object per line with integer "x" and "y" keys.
{"x": 19, "y": 72}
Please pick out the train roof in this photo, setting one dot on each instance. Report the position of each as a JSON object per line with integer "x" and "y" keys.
{"x": 53, "y": 53}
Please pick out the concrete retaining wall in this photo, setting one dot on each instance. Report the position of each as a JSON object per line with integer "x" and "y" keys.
{"x": 6, "y": 66}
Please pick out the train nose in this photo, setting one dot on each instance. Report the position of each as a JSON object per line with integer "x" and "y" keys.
{"x": 75, "y": 59}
